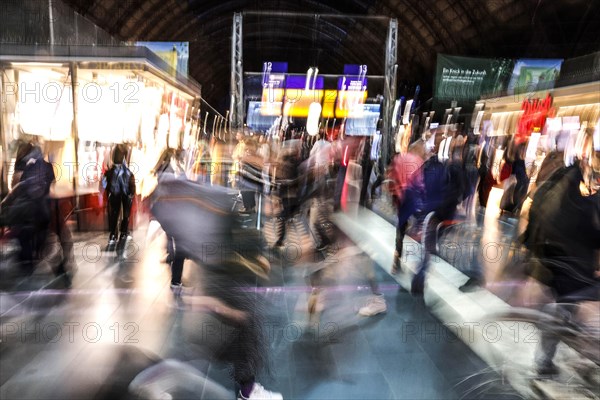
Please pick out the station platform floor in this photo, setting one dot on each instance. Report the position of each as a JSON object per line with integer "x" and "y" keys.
{"x": 474, "y": 313}
{"x": 91, "y": 340}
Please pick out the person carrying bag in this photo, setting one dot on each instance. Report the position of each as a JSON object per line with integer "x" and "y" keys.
{"x": 119, "y": 183}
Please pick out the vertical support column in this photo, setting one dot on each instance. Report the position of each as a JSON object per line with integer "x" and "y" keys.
{"x": 3, "y": 138}
{"x": 237, "y": 77}
{"x": 75, "y": 133}
{"x": 51, "y": 22}
{"x": 389, "y": 94}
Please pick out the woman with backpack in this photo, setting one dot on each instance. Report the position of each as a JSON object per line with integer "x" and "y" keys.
{"x": 119, "y": 183}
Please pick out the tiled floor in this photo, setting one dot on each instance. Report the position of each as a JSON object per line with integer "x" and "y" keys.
{"x": 483, "y": 246}
{"x": 91, "y": 341}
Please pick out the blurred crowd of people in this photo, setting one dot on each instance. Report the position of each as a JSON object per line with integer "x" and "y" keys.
{"x": 193, "y": 195}
{"x": 556, "y": 202}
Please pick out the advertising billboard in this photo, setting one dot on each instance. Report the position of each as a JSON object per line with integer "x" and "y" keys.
{"x": 175, "y": 54}
{"x": 466, "y": 79}
{"x": 530, "y": 75}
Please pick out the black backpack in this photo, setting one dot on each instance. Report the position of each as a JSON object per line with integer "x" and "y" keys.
{"x": 119, "y": 180}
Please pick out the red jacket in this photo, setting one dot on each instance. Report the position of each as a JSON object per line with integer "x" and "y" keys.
{"x": 405, "y": 171}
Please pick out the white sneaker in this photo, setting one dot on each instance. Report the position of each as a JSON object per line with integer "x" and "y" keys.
{"x": 112, "y": 244}
{"x": 177, "y": 289}
{"x": 260, "y": 393}
{"x": 375, "y": 305}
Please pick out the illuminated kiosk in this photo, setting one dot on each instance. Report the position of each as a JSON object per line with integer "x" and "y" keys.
{"x": 77, "y": 102}
{"x": 540, "y": 116}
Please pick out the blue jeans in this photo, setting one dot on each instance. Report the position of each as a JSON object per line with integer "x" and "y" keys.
{"x": 410, "y": 205}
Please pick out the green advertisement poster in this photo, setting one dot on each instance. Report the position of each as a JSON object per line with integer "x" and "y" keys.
{"x": 467, "y": 79}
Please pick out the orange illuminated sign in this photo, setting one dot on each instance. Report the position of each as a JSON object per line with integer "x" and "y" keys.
{"x": 329, "y": 104}
{"x": 298, "y": 101}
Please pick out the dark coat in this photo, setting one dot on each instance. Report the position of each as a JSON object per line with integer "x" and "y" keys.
{"x": 564, "y": 231}
{"x": 28, "y": 202}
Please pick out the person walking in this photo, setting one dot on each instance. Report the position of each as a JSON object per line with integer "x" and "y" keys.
{"x": 406, "y": 177}
{"x": 168, "y": 168}
{"x": 444, "y": 188}
{"x": 287, "y": 181}
{"x": 563, "y": 235}
{"x": 26, "y": 209}
{"x": 230, "y": 261}
{"x": 119, "y": 183}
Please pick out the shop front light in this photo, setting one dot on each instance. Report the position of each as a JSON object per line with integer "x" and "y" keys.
{"x": 45, "y": 75}
{"x": 35, "y": 64}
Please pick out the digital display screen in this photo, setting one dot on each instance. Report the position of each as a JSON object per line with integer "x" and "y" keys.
{"x": 256, "y": 119}
{"x": 287, "y": 95}
{"x": 366, "y": 124}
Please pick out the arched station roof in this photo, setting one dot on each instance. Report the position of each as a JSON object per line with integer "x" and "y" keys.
{"x": 336, "y": 32}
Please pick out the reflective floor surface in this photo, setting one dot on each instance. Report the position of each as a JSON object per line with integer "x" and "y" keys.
{"x": 119, "y": 318}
